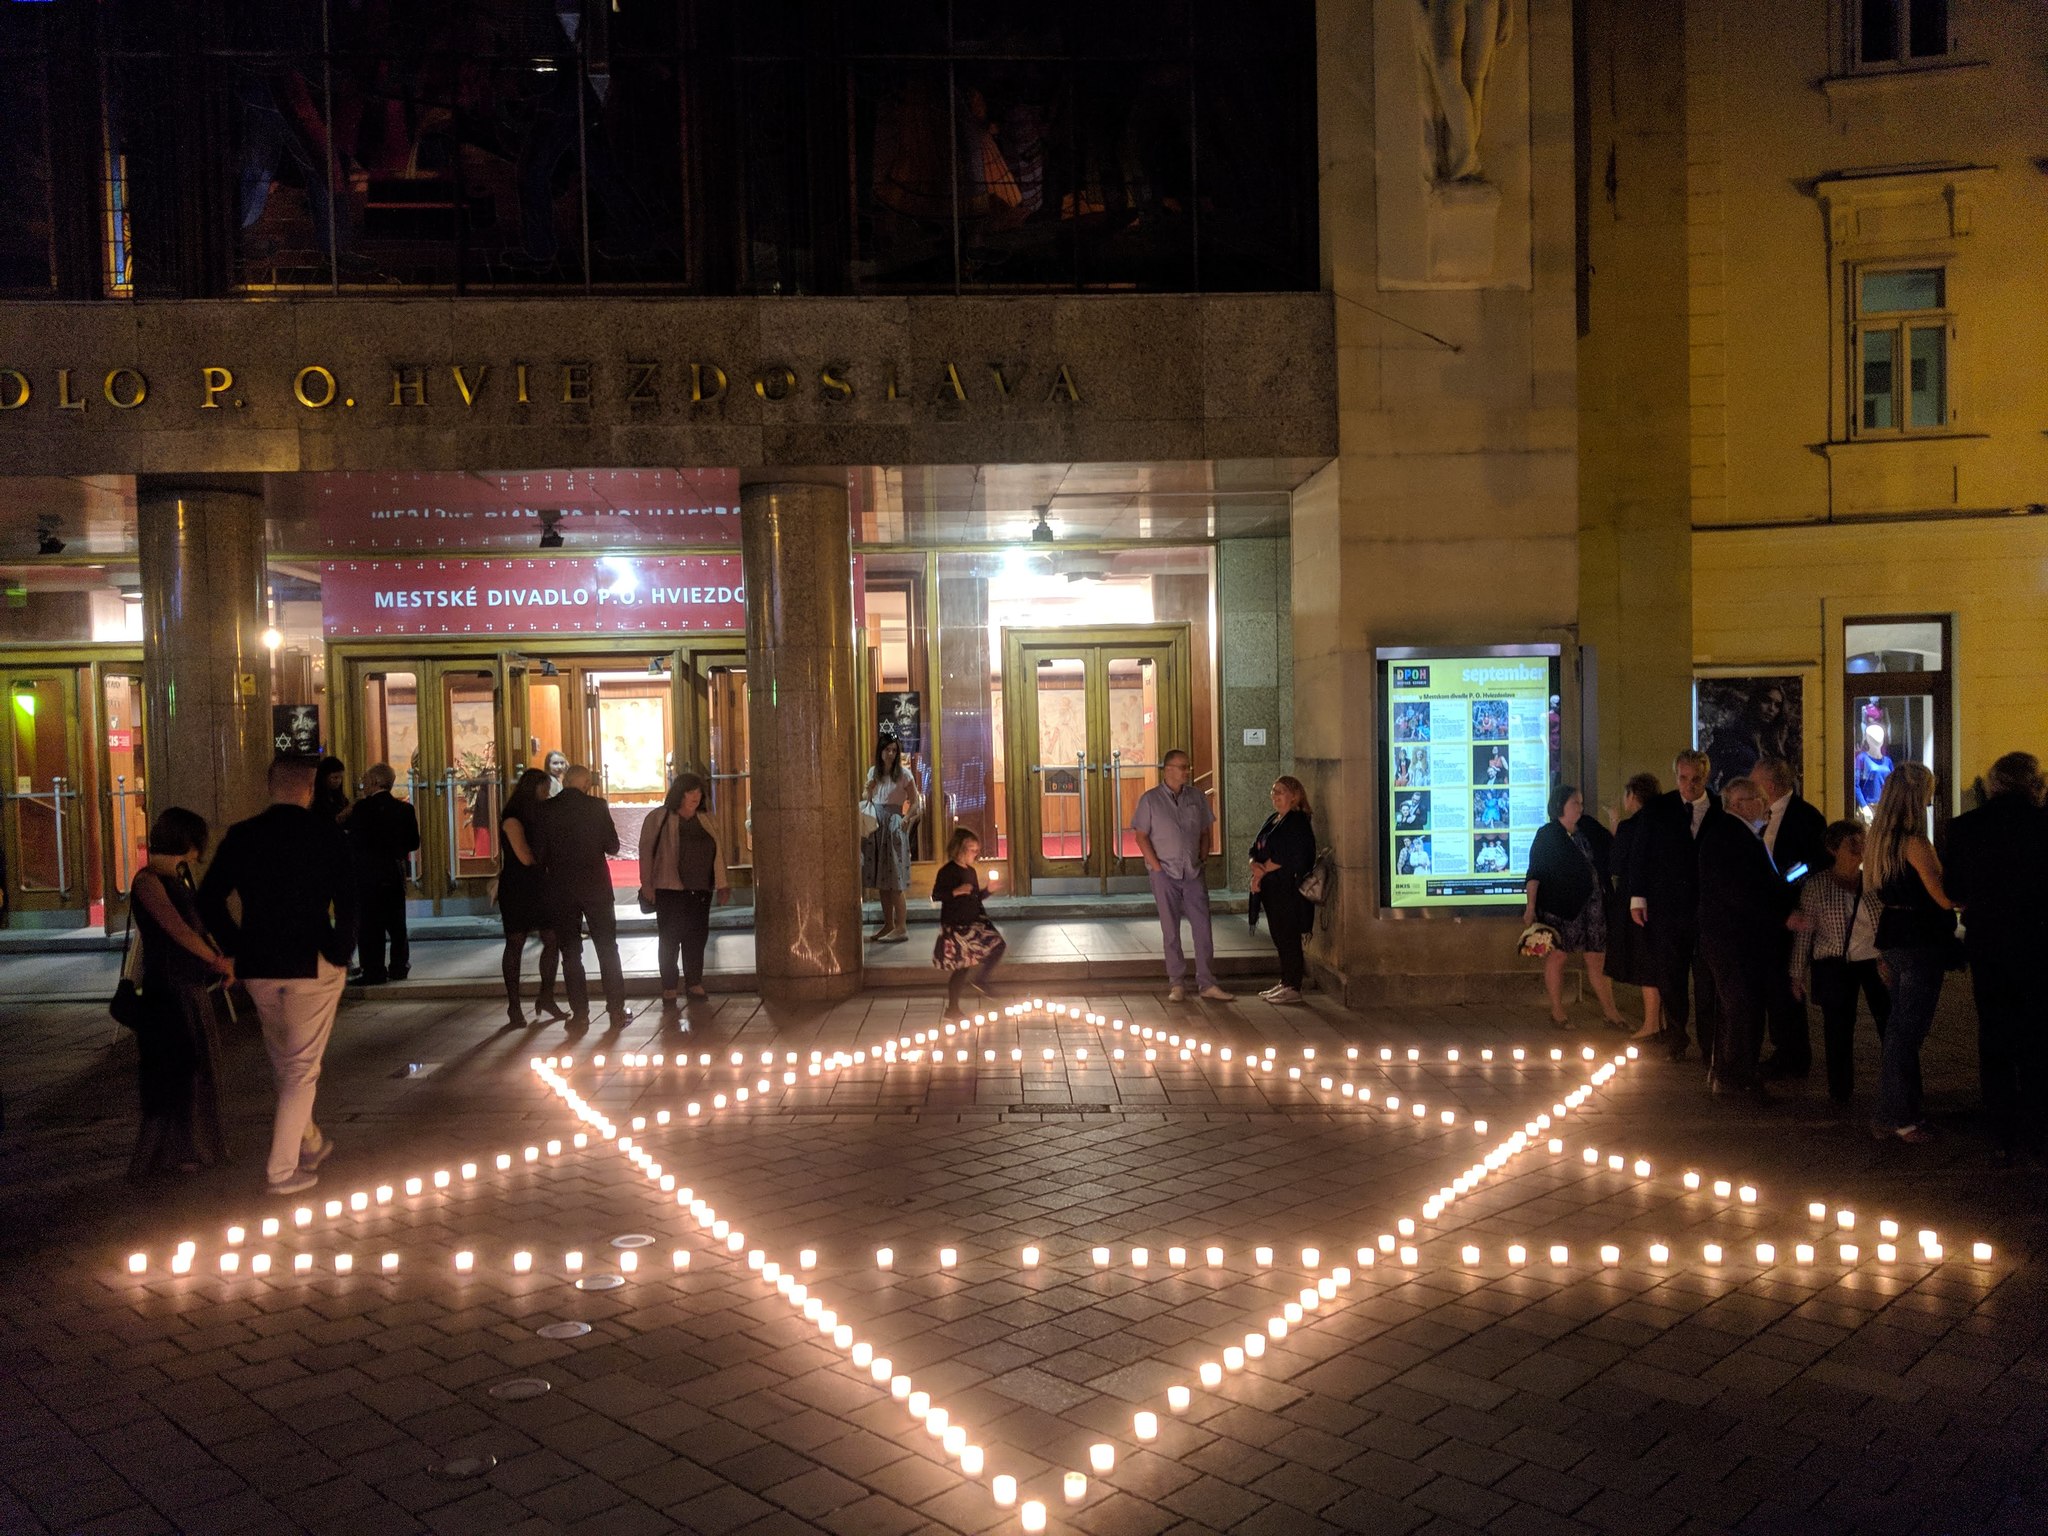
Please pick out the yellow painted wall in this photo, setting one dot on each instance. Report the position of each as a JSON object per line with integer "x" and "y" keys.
{"x": 1776, "y": 599}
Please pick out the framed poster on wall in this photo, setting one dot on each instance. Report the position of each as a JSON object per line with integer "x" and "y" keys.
{"x": 1469, "y": 744}
{"x": 1737, "y": 720}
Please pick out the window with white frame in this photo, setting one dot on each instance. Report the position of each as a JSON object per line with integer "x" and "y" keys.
{"x": 1893, "y": 32}
{"x": 1903, "y": 330}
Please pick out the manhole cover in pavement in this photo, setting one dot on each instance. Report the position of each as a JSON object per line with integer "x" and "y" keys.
{"x": 520, "y": 1388}
{"x": 633, "y": 1240}
{"x": 600, "y": 1282}
{"x": 563, "y": 1330}
{"x": 459, "y": 1469}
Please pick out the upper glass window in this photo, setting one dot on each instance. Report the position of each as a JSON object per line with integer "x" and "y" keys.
{"x": 1900, "y": 31}
{"x": 1902, "y": 350}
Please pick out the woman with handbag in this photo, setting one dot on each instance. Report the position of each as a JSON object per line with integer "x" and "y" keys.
{"x": 1916, "y": 941}
{"x": 678, "y": 878}
{"x": 177, "y": 1033}
{"x": 1834, "y": 953}
{"x": 890, "y": 800}
{"x": 523, "y": 896}
{"x": 1567, "y": 890}
{"x": 1281, "y": 857}
{"x": 968, "y": 945}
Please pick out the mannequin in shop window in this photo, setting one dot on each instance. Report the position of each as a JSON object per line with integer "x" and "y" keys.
{"x": 1873, "y": 763}
{"x": 891, "y": 802}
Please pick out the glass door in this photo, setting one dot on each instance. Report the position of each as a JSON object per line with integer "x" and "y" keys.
{"x": 1088, "y": 726}
{"x": 724, "y": 681}
{"x": 41, "y": 837}
{"x": 437, "y": 724}
{"x": 124, "y": 800}
{"x": 1896, "y": 696}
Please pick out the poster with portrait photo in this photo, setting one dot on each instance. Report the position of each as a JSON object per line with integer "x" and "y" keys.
{"x": 1490, "y": 765}
{"x": 1491, "y": 810}
{"x": 1411, "y": 810}
{"x": 1737, "y": 720}
{"x": 1490, "y": 854}
{"x": 1411, "y": 767}
{"x": 1412, "y": 855}
{"x": 1411, "y": 720}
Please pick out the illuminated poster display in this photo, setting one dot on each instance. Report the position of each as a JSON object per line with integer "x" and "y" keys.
{"x": 1468, "y": 757}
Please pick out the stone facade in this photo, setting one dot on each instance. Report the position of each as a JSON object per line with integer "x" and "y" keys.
{"x": 1255, "y": 654}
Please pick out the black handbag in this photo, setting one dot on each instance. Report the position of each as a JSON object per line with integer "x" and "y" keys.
{"x": 126, "y": 1004}
{"x": 647, "y": 897}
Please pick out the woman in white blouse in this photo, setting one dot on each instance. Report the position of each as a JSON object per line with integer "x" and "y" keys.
{"x": 891, "y": 799}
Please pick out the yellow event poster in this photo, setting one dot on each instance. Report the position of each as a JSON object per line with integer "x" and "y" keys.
{"x": 1467, "y": 770}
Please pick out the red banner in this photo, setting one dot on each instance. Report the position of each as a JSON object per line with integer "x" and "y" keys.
{"x": 381, "y": 512}
{"x": 581, "y": 595}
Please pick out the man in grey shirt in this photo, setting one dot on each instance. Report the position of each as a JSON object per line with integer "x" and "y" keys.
{"x": 1172, "y": 824}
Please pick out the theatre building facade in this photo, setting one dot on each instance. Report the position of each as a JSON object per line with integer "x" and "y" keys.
{"x": 677, "y": 386}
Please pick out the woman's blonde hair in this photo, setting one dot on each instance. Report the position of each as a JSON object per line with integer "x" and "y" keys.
{"x": 1292, "y": 785}
{"x": 1901, "y": 814}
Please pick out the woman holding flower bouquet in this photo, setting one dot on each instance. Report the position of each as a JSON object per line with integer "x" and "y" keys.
{"x": 1567, "y": 891}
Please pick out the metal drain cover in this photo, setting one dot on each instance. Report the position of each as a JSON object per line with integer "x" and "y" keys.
{"x": 459, "y": 1469}
{"x": 633, "y": 1240}
{"x": 521, "y": 1388}
{"x": 563, "y": 1330}
{"x": 600, "y": 1282}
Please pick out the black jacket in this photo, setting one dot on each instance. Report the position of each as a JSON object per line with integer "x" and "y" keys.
{"x": 1996, "y": 869}
{"x": 298, "y": 894}
{"x": 1288, "y": 839}
{"x": 1800, "y": 836}
{"x": 382, "y": 829}
{"x": 576, "y": 831}
{"x": 1565, "y": 882}
{"x": 1664, "y": 863}
{"x": 1742, "y": 900}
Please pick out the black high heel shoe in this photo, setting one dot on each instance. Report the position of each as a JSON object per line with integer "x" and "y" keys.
{"x": 550, "y": 1008}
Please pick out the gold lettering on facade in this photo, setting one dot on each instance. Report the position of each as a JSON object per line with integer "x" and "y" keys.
{"x": 575, "y": 383}
{"x": 305, "y": 396}
{"x": 1002, "y": 384}
{"x": 892, "y": 394}
{"x": 16, "y": 380}
{"x": 519, "y": 371}
{"x": 464, "y": 387}
{"x": 645, "y": 387}
{"x": 65, "y": 399}
{"x": 949, "y": 383}
{"x": 140, "y": 389}
{"x": 775, "y": 383}
{"x": 1063, "y": 387}
{"x": 698, "y": 372}
{"x": 833, "y": 380}
{"x": 216, "y": 382}
{"x": 409, "y": 381}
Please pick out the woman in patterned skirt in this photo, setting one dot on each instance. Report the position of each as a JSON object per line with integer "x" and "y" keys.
{"x": 1567, "y": 889}
{"x": 968, "y": 945}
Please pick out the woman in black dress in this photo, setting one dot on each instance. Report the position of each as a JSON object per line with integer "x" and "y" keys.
{"x": 330, "y": 789}
{"x": 1567, "y": 889}
{"x": 522, "y": 897}
{"x": 178, "y": 1040}
{"x": 1282, "y": 855}
{"x": 968, "y": 945}
{"x": 1628, "y": 951}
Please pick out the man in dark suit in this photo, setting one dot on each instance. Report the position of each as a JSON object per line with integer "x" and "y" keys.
{"x": 383, "y": 831}
{"x": 1996, "y": 870}
{"x": 576, "y": 833}
{"x": 1794, "y": 833}
{"x": 1662, "y": 882}
{"x": 1742, "y": 917}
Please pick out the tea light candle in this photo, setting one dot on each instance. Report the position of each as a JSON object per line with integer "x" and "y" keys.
{"x": 1101, "y": 1457}
{"x": 972, "y": 1459}
{"x": 1033, "y": 1515}
{"x": 465, "y": 1261}
{"x": 1030, "y": 1258}
{"x": 885, "y": 1258}
{"x": 1145, "y": 1425}
{"x": 1075, "y": 1486}
{"x": 948, "y": 1257}
{"x": 1659, "y": 1254}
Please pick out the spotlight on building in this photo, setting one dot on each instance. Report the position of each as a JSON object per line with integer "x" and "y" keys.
{"x": 1041, "y": 532}
{"x": 272, "y": 637}
{"x": 550, "y": 535}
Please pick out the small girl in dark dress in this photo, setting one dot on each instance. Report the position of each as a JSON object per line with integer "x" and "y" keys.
{"x": 178, "y": 1041}
{"x": 968, "y": 945}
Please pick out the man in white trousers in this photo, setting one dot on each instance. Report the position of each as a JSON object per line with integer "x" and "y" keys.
{"x": 288, "y": 872}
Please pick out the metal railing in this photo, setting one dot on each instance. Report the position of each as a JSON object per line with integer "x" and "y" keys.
{"x": 117, "y": 821}
{"x": 56, "y": 800}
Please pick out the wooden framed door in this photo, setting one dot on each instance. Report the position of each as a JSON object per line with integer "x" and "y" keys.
{"x": 1088, "y": 717}
{"x": 42, "y": 832}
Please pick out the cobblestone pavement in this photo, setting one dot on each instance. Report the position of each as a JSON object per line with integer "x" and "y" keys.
{"x": 1435, "y": 1381}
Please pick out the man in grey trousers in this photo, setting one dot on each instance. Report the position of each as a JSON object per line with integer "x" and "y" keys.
{"x": 1172, "y": 824}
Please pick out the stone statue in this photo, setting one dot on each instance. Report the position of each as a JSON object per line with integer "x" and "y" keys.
{"x": 1459, "y": 40}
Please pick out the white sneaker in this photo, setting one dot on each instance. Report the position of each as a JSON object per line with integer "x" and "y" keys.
{"x": 1277, "y": 986}
{"x": 298, "y": 1181}
{"x": 1283, "y": 995}
{"x": 1216, "y": 994}
{"x": 1176, "y": 994}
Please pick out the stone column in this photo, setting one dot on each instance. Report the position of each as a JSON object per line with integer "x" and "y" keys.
{"x": 803, "y": 718}
{"x": 206, "y": 675}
